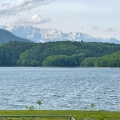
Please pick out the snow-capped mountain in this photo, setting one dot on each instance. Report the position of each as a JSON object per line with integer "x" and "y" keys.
{"x": 45, "y": 35}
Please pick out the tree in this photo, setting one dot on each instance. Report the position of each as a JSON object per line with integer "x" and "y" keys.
{"x": 92, "y": 105}
{"x": 39, "y": 103}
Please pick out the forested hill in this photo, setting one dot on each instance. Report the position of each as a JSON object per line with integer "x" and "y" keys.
{"x": 60, "y": 54}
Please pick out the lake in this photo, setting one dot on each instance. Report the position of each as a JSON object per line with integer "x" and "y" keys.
{"x": 60, "y": 88}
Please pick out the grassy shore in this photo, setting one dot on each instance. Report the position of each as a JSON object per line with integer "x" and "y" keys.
{"x": 62, "y": 114}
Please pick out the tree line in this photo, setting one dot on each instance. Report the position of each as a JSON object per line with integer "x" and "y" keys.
{"x": 62, "y": 53}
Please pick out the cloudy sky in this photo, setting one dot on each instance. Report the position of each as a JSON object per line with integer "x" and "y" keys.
{"x": 99, "y": 18}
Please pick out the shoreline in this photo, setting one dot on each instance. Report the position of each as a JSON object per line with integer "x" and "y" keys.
{"x": 57, "y": 113}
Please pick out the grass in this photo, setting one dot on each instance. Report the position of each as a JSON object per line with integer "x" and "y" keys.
{"x": 56, "y": 115}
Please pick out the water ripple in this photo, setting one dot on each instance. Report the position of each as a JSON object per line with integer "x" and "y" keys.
{"x": 60, "y": 88}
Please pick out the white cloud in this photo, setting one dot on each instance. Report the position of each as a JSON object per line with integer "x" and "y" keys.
{"x": 20, "y": 6}
{"x": 35, "y": 19}
{"x": 4, "y": 7}
{"x": 23, "y": 2}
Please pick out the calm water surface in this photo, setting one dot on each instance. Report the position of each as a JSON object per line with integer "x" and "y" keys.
{"x": 60, "y": 88}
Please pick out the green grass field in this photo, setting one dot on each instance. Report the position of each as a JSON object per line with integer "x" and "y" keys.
{"x": 59, "y": 115}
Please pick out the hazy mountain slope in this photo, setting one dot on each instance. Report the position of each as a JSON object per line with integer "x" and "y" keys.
{"x": 6, "y": 36}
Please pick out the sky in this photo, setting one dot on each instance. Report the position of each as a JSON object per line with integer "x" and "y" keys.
{"x": 98, "y": 18}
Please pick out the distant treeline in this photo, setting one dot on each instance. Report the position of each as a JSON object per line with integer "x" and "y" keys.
{"x": 65, "y": 53}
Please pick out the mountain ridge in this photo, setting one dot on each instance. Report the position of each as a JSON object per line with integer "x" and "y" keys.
{"x": 42, "y": 35}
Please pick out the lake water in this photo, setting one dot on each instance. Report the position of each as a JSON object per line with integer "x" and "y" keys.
{"x": 60, "y": 88}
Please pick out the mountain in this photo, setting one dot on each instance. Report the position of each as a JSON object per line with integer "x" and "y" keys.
{"x": 6, "y": 36}
{"x": 45, "y": 35}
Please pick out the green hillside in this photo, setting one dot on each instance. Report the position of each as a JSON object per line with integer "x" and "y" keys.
{"x": 66, "y": 54}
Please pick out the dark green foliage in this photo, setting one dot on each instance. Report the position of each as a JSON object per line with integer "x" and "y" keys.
{"x": 62, "y": 60}
{"x": 37, "y": 54}
{"x": 111, "y": 60}
{"x": 10, "y": 52}
{"x": 90, "y": 61}
{"x": 63, "y": 53}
